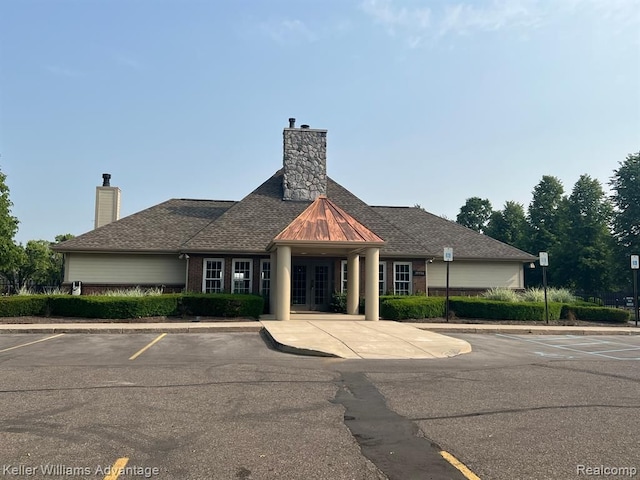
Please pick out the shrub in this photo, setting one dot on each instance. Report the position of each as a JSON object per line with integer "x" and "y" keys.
{"x": 113, "y": 307}
{"x": 222, "y": 305}
{"x": 495, "y": 310}
{"x": 402, "y": 308}
{"x": 596, "y": 314}
{"x": 501, "y": 294}
{"x": 561, "y": 295}
{"x": 533, "y": 295}
{"x": 130, "y": 292}
{"x": 23, "y": 305}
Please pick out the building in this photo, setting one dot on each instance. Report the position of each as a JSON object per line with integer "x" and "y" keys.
{"x": 296, "y": 239}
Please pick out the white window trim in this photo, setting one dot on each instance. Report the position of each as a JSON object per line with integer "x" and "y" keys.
{"x": 395, "y": 264}
{"x": 384, "y": 277}
{"x": 204, "y": 272}
{"x": 343, "y": 269}
{"x": 233, "y": 271}
{"x": 262, "y": 262}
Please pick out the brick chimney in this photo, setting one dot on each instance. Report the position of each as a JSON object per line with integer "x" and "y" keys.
{"x": 305, "y": 162}
{"x": 107, "y": 202}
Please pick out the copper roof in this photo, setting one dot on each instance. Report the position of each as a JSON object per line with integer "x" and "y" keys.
{"x": 324, "y": 221}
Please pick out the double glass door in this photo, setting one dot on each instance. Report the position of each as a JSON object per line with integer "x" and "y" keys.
{"x": 310, "y": 286}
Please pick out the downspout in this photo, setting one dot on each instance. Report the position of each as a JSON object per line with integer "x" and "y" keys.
{"x": 186, "y": 271}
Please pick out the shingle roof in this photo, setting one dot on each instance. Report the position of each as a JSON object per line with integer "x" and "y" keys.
{"x": 250, "y": 225}
{"x": 324, "y": 221}
{"x": 163, "y": 227}
{"x": 435, "y": 233}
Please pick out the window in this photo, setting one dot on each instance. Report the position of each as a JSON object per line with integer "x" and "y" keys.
{"x": 382, "y": 278}
{"x": 401, "y": 278}
{"x": 343, "y": 276}
{"x": 265, "y": 278}
{"x": 241, "y": 280}
{"x": 213, "y": 275}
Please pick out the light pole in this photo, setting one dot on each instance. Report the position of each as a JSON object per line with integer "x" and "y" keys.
{"x": 544, "y": 263}
{"x": 448, "y": 258}
{"x": 635, "y": 265}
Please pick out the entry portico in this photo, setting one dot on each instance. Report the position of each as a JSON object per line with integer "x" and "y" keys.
{"x": 324, "y": 229}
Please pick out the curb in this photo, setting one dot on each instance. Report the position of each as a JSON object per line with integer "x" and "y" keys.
{"x": 294, "y": 350}
{"x": 119, "y": 329}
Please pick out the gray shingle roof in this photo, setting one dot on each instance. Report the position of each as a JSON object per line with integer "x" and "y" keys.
{"x": 435, "y": 233}
{"x": 161, "y": 228}
{"x": 248, "y": 226}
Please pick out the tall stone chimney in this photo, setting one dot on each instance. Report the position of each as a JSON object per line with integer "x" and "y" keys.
{"x": 305, "y": 162}
{"x": 107, "y": 202}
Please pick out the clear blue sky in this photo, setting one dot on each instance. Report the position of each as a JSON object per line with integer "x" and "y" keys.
{"x": 427, "y": 102}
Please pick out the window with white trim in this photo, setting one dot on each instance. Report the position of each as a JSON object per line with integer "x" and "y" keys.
{"x": 265, "y": 277}
{"x": 213, "y": 275}
{"x": 382, "y": 277}
{"x": 402, "y": 278}
{"x": 241, "y": 275}
{"x": 343, "y": 276}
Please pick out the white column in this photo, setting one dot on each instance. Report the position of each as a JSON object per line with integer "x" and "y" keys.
{"x": 274, "y": 282}
{"x": 372, "y": 295}
{"x": 353, "y": 283}
{"x": 283, "y": 296}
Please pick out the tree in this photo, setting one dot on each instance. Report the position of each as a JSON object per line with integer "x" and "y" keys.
{"x": 509, "y": 225}
{"x": 475, "y": 213}
{"x": 8, "y": 225}
{"x": 626, "y": 200}
{"x": 585, "y": 259}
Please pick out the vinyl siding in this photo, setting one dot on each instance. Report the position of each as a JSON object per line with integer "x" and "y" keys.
{"x": 122, "y": 269}
{"x": 476, "y": 274}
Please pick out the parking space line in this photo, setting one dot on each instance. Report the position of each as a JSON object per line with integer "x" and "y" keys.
{"x": 114, "y": 471}
{"x": 619, "y": 350}
{"x": 586, "y": 343}
{"x": 459, "y": 465}
{"x": 141, "y": 351}
{"x": 31, "y": 343}
{"x": 576, "y": 350}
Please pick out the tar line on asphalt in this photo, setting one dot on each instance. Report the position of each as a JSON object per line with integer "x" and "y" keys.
{"x": 114, "y": 471}
{"x": 31, "y": 343}
{"x": 144, "y": 349}
{"x": 390, "y": 440}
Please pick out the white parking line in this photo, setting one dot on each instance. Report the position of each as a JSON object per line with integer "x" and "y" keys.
{"x": 536, "y": 342}
{"x": 619, "y": 350}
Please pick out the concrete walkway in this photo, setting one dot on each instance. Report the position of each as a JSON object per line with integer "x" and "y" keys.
{"x": 361, "y": 339}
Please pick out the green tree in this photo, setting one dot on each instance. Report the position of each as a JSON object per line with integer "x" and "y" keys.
{"x": 584, "y": 260}
{"x": 475, "y": 214}
{"x": 509, "y": 225}
{"x": 625, "y": 184}
{"x": 8, "y": 226}
{"x": 545, "y": 223}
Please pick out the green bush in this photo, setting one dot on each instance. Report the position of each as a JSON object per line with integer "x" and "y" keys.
{"x": 23, "y": 305}
{"x": 222, "y": 305}
{"x": 595, "y": 314}
{"x": 411, "y": 307}
{"x": 468, "y": 307}
{"x": 502, "y": 294}
{"x": 113, "y": 307}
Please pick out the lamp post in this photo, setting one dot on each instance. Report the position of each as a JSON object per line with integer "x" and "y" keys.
{"x": 448, "y": 258}
{"x": 635, "y": 265}
{"x": 544, "y": 263}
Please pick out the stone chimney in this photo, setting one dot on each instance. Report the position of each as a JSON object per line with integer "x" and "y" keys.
{"x": 305, "y": 162}
{"x": 107, "y": 202}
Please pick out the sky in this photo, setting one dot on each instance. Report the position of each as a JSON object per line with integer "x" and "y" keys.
{"x": 425, "y": 102}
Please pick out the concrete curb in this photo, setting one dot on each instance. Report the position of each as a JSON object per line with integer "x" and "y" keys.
{"x": 291, "y": 349}
{"x": 113, "y": 328}
{"x": 526, "y": 330}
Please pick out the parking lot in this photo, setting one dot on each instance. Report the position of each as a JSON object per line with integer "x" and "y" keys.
{"x": 226, "y": 405}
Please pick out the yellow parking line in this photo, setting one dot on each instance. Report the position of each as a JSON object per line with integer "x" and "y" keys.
{"x": 115, "y": 470}
{"x": 459, "y": 465}
{"x": 140, "y": 352}
{"x": 31, "y": 343}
